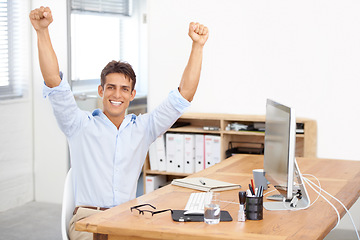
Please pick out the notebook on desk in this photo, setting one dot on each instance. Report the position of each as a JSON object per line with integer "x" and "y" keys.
{"x": 204, "y": 184}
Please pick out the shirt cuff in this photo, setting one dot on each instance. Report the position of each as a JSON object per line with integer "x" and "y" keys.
{"x": 63, "y": 87}
{"x": 178, "y": 101}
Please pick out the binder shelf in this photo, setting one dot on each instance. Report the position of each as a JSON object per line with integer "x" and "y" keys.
{"x": 230, "y": 128}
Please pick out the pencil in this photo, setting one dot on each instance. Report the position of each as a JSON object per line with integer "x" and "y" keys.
{"x": 252, "y": 185}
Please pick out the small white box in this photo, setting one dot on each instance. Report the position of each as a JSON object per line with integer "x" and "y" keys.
{"x": 153, "y": 182}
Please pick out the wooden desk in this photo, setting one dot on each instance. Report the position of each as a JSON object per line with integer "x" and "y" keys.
{"x": 338, "y": 177}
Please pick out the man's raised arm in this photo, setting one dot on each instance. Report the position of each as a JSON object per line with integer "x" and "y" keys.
{"x": 191, "y": 76}
{"x": 40, "y": 19}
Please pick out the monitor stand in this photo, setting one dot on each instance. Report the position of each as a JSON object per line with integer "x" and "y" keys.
{"x": 295, "y": 204}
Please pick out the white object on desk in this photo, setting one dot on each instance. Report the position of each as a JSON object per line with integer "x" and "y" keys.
{"x": 196, "y": 202}
{"x": 204, "y": 184}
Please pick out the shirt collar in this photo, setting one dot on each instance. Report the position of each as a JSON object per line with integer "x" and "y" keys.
{"x": 128, "y": 118}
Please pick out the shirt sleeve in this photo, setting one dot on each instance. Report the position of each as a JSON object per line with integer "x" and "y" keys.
{"x": 166, "y": 114}
{"x": 63, "y": 87}
{"x": 68, "y": 116}
{"x": 178, "y": 101}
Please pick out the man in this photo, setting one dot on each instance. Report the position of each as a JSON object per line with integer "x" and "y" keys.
{"x": 107, "y": 147}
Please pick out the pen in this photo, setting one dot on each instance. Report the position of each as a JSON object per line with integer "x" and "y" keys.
{"x": 261, "y": 191}
{"x": 258, "y": 192}
{"x": 252, "y": 185}
{"x": 202, "y": 182}
{"x": 251, "y": 190}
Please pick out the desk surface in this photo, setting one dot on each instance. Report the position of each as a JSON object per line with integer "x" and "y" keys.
{"x": 338, "y": 177}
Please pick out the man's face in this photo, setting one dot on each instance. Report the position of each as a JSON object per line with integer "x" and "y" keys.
{"x": 116, "y": 95}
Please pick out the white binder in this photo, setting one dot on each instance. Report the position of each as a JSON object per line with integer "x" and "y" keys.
{"x": 153, "y": 182}
{"x": 209, "y": 161}
{"x": 179, "y": 153}
{"x": 189, "y": 153}
{"x": 216, "y": 149}
{"x": 212, "y": 150}
{"x": 153, "y": 157}
{"x": 170, "y": 152}
{"x": 199, "y": 152}
{"x": 160, "y": 153}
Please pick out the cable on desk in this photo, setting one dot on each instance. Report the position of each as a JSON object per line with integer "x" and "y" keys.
{"x": 309, "y": 182}
{"x": 332, "y": 205}
{"x": 319, "y": 186}
{"x": 319, "y": 193}
{"x": 269, "y": 192}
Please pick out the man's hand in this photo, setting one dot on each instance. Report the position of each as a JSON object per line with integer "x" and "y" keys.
{"x": 198, "y": 33}
{"x": 41, "y": 18}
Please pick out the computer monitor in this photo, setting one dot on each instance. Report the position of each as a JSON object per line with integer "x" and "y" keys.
{"x": 280, "y": 165}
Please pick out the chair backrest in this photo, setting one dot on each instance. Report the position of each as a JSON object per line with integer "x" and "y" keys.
{"x": 68, "y": 205}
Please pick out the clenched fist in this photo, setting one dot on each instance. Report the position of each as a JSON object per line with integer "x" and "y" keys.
{"x": 198, "y": 33}
{"x": 41, "y": 18}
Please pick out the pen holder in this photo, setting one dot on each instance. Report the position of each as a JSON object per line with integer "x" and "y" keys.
{"x": 254, "y": 208}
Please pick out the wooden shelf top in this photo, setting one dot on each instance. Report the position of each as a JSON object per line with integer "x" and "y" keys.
{"x": 232, "y": 117}
{"x": 192, "y": 129}
{"x": 148, "y": 171}
{"x": 195, "y": 129}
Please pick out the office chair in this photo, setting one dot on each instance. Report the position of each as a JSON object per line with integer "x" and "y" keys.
{"x": 68, "y": 206}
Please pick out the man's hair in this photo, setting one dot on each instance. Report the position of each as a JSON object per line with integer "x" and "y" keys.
{"x": 118, "y": 67}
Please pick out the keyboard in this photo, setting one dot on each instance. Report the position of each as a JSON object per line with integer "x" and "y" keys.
{"x": 195, "y": 203}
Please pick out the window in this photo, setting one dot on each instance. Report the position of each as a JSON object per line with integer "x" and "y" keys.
{"x": 96, "y": 38}
{"x": 122, "y": 7}
{"x": 4, "y": 45}
{"x": 96, "y": 42}
{"x": 14, "y": 50}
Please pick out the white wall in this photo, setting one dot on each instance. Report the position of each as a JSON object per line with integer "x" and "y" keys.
{"x": 16, "y": 135}
{"x": 50, "y": 146}
{"x": 303, "y": 54}
{"x": 16, "y": 153}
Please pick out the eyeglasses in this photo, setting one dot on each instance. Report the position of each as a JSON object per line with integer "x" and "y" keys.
{"x": 147, "y": 213}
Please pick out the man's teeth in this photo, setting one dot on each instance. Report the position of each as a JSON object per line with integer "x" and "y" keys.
{"x": 115, "y": 103}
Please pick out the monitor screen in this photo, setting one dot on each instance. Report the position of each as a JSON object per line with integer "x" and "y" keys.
{"x": 279, "y": 151}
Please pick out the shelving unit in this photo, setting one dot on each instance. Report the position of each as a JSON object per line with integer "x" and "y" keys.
{"x": 306, "y": 143}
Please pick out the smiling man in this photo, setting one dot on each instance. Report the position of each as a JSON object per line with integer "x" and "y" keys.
{"x": 108, "y": 147}
{"x": 117, "y": 90}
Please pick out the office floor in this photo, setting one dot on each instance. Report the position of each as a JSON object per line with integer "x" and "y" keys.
{"x": 31, "y": 221}
{"x": 41, "y": 221}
